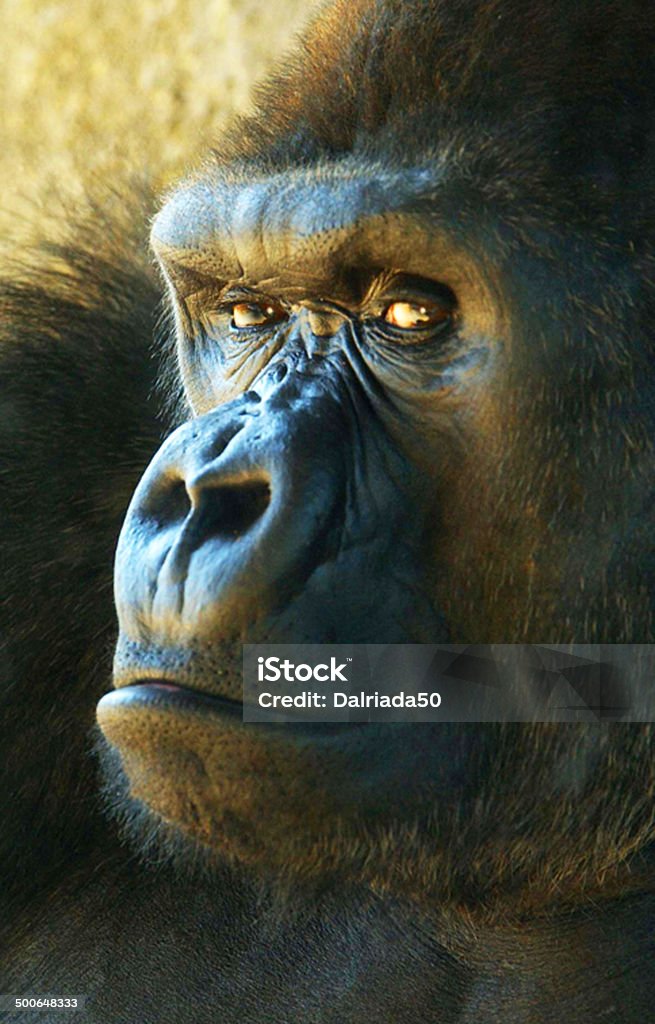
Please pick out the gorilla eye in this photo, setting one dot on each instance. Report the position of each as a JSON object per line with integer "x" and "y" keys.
{"x": 411, "y": 316}
{"x": 255, "y": 314}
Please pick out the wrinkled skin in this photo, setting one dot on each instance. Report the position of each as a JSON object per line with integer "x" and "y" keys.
{"x": 413, "y": 311}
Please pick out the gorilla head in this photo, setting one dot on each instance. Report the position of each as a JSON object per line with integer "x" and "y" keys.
{"x": 414, "y": 323}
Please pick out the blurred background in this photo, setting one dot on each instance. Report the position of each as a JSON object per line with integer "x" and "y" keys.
{"x": 91, "y": 84}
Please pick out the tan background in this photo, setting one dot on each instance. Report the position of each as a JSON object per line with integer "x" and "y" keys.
{"x": 88, "y": 83}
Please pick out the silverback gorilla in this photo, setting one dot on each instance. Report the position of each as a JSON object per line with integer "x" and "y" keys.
{"x": 414, "y": 401}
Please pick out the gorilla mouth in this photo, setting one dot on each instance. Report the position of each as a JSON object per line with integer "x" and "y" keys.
{"x": 163, "y": 691}
{"x": 162, "y": 694}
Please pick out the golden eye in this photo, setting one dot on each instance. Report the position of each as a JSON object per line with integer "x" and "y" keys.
{"x": 255, "y": 314}
{"x": 410, "y": 316}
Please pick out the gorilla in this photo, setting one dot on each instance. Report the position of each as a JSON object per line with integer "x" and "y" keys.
{"x": 405, "y": 375}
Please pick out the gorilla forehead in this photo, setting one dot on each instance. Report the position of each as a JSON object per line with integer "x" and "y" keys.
{"x": 247, "y": 224}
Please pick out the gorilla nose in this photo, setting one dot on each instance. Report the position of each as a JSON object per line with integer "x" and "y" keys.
{"x": 222, "y": 524}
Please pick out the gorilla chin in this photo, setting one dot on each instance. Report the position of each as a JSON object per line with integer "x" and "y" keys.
{"x": 409, "y": 335}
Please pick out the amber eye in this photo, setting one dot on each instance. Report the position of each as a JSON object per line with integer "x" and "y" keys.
{"x": 255, "y": 314}
{"x": 411, "y": 316}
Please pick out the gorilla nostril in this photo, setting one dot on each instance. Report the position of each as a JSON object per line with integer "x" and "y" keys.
{"x": 178, "y": 504}
{"x": 168, "y": 502}
{"x": 231, "y": 509}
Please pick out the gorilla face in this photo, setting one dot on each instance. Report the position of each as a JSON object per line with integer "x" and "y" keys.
{"x": 412, "y": 372}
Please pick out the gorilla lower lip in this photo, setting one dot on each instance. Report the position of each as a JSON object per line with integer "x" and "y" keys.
{"x": 161, "y": 695}
{"x": 163, "y": 692}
